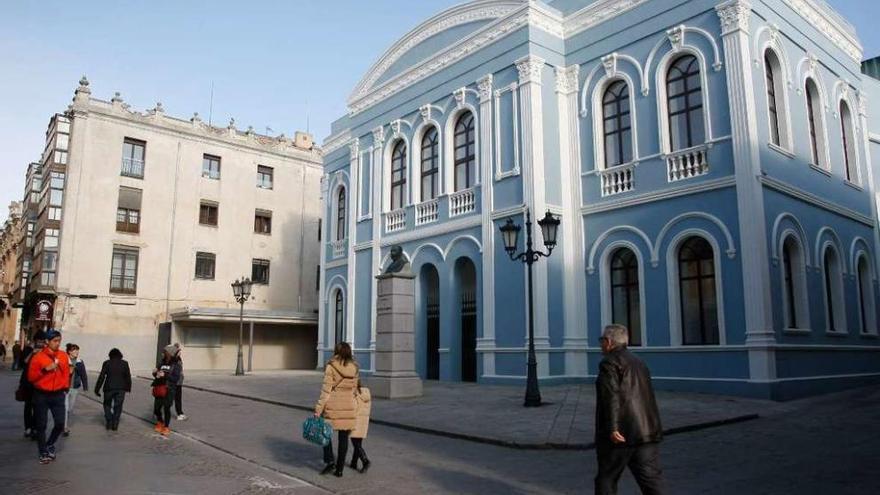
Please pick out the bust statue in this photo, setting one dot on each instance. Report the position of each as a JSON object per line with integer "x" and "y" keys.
{"x": 398, "y": 261}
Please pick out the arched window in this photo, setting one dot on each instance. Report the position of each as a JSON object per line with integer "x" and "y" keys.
{"x": 684, "y": 96}
{"x": 833, "y": 285}
{"x": 430, "y": 164}
{"x": 625, "y": 302}
{"x": 847, "y": 135}
{"x": 617, "y": 125}
{"x": 814, "y": 113}
{"x": 340, "y": 215}
{"x": 770, "y": 65}
{"x": 339, "y": 322}
{"x": 794, "y": 285}
{"x": 696, "y": 280}
{"x": 398, "y": 176}
{"x": 867, "y": 312}
{"x": 465, "y": 152}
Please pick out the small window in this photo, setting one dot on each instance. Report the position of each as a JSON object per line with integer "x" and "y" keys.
{"x": 772, "y": 104}
{"x": 833, "y": 285}
{"x": 849, "y": 150}
{"x": 340, "y": 215}
{"x": 128, "y": 211}
{"x": 625, "y": 304}
{"x": 260, "y": 271}
{"x": 133, "y": 152}
{"x": 318, "y": 278}
{"x": 696, "y": 281}
{"x": 814, "y": 113}
{"x": 208, "y": 213}
{"x": 339, "y": 317}
{"x": 263, "y": 222}
{"x": 264, "y": 177}
{"x": 617, "y": 126}
{"x": 320, "y": 223}
{"x": 205, "y": 263}
{"x": 211, "y": 166}
{"x": 123, "y": 271}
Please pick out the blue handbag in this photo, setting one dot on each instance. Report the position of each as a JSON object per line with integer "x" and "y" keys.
{"x": 317, "y": 431}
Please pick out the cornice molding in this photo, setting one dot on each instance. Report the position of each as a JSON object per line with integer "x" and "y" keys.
{"x": 596, "y": 13}
{"x": 819, "y": 18}
{"x": 336, "y": 141}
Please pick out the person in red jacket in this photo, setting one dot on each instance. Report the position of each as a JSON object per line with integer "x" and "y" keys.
{"x": 49, "y": 373}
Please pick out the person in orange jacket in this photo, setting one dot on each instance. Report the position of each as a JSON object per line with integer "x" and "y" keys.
{"x": 49, "y": 373}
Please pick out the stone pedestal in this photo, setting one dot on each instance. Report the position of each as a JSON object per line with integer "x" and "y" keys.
{"x": 395, "y": 363}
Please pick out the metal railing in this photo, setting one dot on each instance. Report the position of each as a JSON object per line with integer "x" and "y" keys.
{"x": 132, "y": 167}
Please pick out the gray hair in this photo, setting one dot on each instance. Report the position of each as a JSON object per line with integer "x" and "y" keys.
{"x": 616, "y": 334}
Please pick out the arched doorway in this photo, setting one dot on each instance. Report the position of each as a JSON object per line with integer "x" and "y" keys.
{"x": 430, "y": 289}
{"x": 466, "y": 276}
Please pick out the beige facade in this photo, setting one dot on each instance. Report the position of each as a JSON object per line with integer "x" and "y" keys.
{"x": 9, "y": 240}
{"x": 159, "y": 216}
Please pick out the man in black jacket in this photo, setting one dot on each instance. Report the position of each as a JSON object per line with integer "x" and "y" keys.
{"x": 116, "y": 378}
{"x": 628, "y": 428}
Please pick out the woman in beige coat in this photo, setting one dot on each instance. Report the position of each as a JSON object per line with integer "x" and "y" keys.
{"x": 362, "y": 424}
{"x": 337, "y": 403}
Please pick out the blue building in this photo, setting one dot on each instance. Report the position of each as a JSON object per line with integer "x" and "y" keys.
{"x": 710, "y": 164}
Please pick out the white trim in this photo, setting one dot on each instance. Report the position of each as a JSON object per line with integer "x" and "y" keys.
{"x": 510, "y": 211}
{"x": 500, "y": 173}
{"x": 662, "y": 99}
{"x": 609, "y": 63}
{"x": 335, "y": 142}
{"x": 365, "y": 213}
{"x": 433, "y": 230}
{"x": 870, "y": 310}
{"x": 830, "y": 25}
{"x": 428, "y": 245}
{"x": 819, "y": 112}
{"x": 390, "y": 144}
{"x": 853, "y": 253}
{"x": 799, "y": 281}
{"x": 802, "y": 234}
{"x": 676, "y": 38}
{"x": 418, "y": 137}
{"x": 674, "y": 292}
{"x": 673, "y": 192}
{"x": 605, "y": 286}
{"x": 449, "y": 146}
{"x": 783, "y": 105}
{"x": 336, "y": 263}
{"x": 854, "y": 158}
{"x": 838, "y": 244}
{"x": 837, "y": 284}
{"x": 462, "y": 238}
{"x": 731, "y": 249}
{"x": 817, "y": 201}
{"x": 599, "y": 115}
{"x": 604, "y": 235}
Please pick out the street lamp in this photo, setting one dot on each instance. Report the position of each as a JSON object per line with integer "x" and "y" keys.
{"x": 241, "y": 289}
{"x": 510, "y": 235}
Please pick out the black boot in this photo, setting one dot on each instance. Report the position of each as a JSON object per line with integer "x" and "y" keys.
{"x": 354, "y": 460}
{"x": 364, "y": 461}
{"x": 115, "y": 425}
{"x": 330, "y": 466}
{"x": 108, "y": 424}
{"x": 338, "y": 472}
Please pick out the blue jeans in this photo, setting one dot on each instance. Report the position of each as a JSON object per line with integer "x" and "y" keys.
{"x": 43, "y": 403}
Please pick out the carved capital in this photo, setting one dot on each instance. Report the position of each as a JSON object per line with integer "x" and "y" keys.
{"x": 529, "y": 68}
{"x": 484, "y": 86}
{"x": 734, "y": 16}
{"x": 567, "y": 79}
{"x": 378, "y": 136}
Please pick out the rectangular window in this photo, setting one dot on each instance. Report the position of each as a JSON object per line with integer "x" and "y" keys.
{"x": 260, "y": 271}
{"x": 61, "y": 157}
{"x": 208, "y": 213}
{"x": 62, "y": 141}
{"x": 123, "y": 270}
{"x": 202, "y": 337}
{"x": 205, "y": 263}
{"x": 319, "y": 229}
{"x": 133, "y": 152}
{"x": 211, "y": 166}
{"x": 263, "y": 222}
{"x": 128, "y": 211}
{"x": 50, "y": 238}
{"x": 54, "y": 213}
{"x": 264, "y": 177}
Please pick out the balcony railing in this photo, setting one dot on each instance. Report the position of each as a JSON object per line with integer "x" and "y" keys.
{"x": 688, "y": 163}
{"x": 132, "y": 167}
{"x": 395, "y": 220}
{"x": 427, "y": 212}
{"x": 462, "y": 202}
{"x": 339, "y": 247}
{"x": 617, "y": 180}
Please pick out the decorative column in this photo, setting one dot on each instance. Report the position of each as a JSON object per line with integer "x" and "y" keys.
{"x": 486, "y": 345}
{"x": 870, "y": 185}
{"x": 575, "y": 296}
{"x": 376, "y": 184}
{"x": 760, "y": 339}
{"x": 322, "y": 277}
{"x": 530, "y": 70}
{"x": 353, "y": 200}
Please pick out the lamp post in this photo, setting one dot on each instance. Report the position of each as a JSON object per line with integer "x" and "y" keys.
{"x": 510, "y": 235}
{"x": 242, "y": 291}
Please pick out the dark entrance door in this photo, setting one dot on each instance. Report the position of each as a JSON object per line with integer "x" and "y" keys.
{"x": 433, "y": 330}
{"x": 468, "y": 337}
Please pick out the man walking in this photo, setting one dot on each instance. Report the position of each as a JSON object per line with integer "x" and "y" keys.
{"x": 16, "y": 355}
{"x": 49, "y": 373}
{"x": 115, "y": 378}
{"x": 628, "y": 429}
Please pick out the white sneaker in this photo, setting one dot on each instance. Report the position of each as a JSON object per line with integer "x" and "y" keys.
{"x": 181, "y": 417}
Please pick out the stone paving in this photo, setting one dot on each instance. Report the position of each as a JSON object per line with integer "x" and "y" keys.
{"x": 487, "y": 413}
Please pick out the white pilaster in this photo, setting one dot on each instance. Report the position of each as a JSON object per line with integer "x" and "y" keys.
{"x": 484, "y": 85}
{"x": 353, "y": 199}
{"x": 322, "y": 278}
{"x": 575, "y": 296}
{"x": 734, "y": 16}
{"x": 530, "y": 70}
{"x": 377, "y": 185}
{"x": 870, "y": 186}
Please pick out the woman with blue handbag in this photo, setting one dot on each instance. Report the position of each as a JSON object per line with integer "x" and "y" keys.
{"x": 337, "y": 403}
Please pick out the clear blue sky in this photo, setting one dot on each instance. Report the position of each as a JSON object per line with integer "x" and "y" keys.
{"x": 272, "y": 63}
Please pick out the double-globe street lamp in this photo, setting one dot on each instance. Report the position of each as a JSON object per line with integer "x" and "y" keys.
{"x": 510, "y": 234}
{"x": 242, "y": 291}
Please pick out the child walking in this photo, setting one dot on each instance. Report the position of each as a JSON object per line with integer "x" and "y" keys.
{"x": 362, "y": 424}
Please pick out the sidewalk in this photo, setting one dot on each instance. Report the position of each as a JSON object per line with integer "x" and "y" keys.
{"x": 487, "y": 413}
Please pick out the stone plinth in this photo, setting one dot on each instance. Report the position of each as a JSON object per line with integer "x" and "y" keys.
{"x": 395, "y": 364}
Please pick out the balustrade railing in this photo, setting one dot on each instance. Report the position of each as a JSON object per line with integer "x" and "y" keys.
{"x": 684, "y": 164}
{"x": 462, "y": 202}
{"x": 427, "y": 212}
{"x": 395, "y": 220}
{"x": 617, "y": 180}
{"x": 339, "y": 247}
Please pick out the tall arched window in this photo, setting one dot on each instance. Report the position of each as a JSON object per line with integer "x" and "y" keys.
{"x": 696, "y": 279}
{"x": 465, "y": 152}
{"x": 833, "y": 285}
{"x": 794, "y": 284}
{"x": 772, "y": 103}
{"x": 617, "y": 125}
{"x": 847, "y": 136}
{"x": 398, "y": 175}
{"x": 430, "y": 164}
{"x": 684, "y": 96}
{"x": 867, "y": 312}
{"x": 814, "y": 112}
{"x": 625, "y": 302}
{"x": 339, "y": 315}
{"x": 340, "y": 215}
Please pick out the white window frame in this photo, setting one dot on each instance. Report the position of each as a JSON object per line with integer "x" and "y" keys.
{"x": 781, "y": 83}
{"x": 871, "y": 309}
{"x": 599, "y": 116}
{"x": 819, "y": 110}
{"x": 838, "y": 299}
{"x": 798, "y": 282}
{"x": 663, "y": 100}
{"x": 607, "y": 311}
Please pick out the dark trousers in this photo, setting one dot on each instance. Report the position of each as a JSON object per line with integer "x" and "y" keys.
{"x": 162, "y": 407}
{"x": 29, "y": 420}
{"x": 178, "y": 399}
{"x": 643, "y": 462}
{"x": 113, "y": 400}
{"x": 43, "y": 403}
{"x": 343, "y": 449}
{"x": 359, "y": 453}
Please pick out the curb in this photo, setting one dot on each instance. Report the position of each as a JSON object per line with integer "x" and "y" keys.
{"x": 480, "y": 439}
